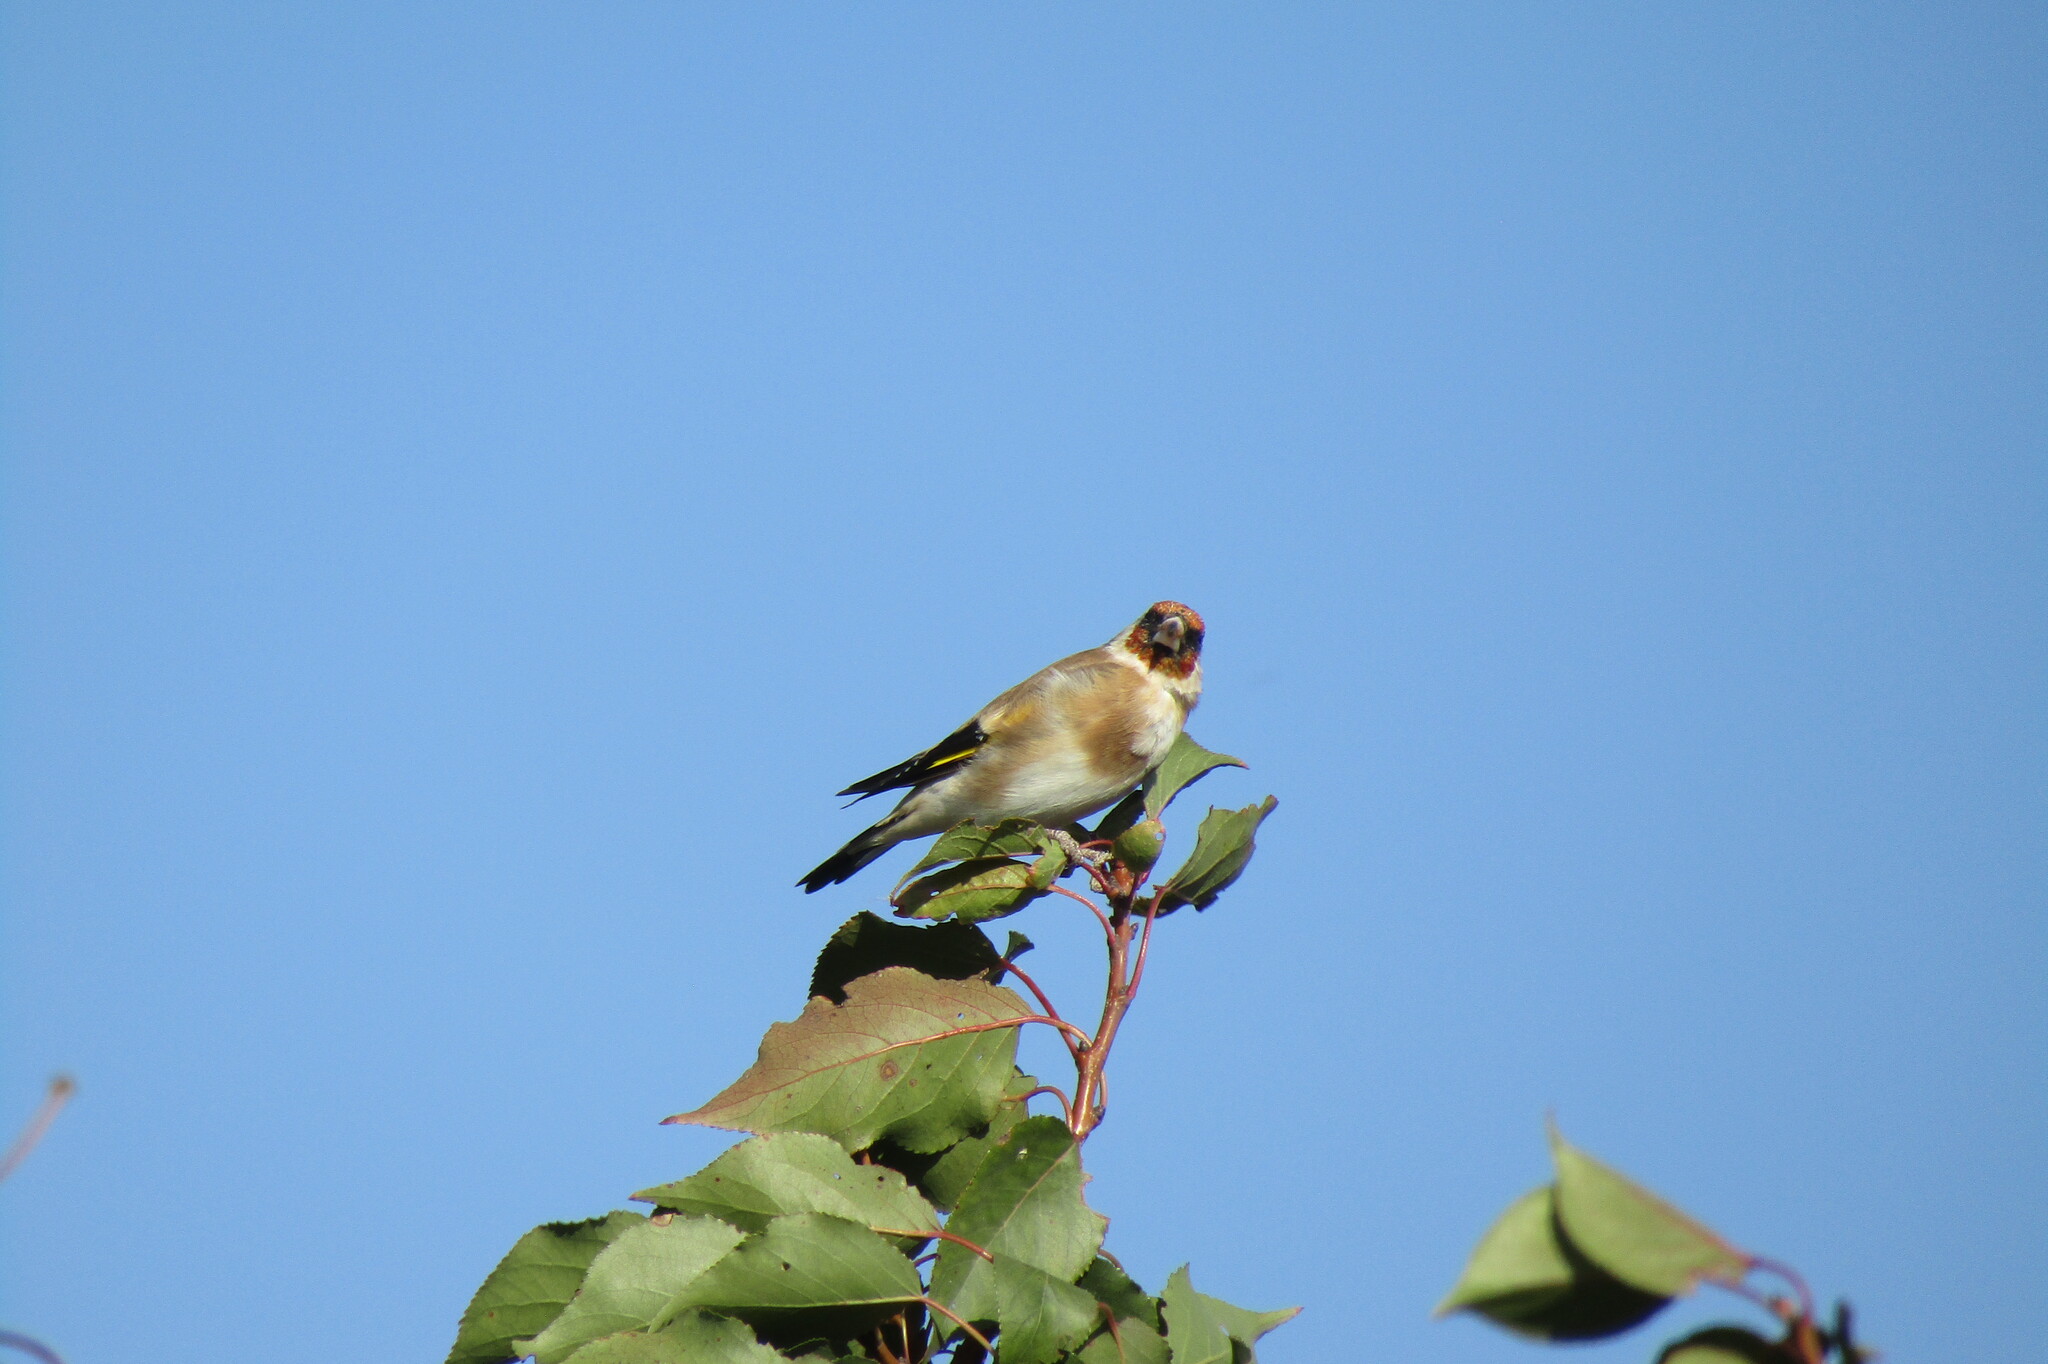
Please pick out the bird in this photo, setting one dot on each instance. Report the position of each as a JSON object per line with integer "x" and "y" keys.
{"x": 1073, "y": 738}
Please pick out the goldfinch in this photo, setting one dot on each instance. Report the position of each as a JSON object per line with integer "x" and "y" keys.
{"x": 1073, "y": 738}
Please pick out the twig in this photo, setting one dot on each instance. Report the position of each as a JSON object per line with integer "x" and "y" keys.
{"x": 1123, "y": 928}
{"x": 957, "y": 1320}
{"x": 29, "y": 1345}
{"x": 1145, "y": 942}
{"x": 1087, "y": 1108}
{"x": 1066, "y": 1104}
{"x": 1802, "y": 1332}
{"x": 1065, "y": 1027}
{"x": 1790, "y": 1276}
{"x": 1115, "y": 1334}
{"x": 1043, "y": 1001}
{"x": 1090, "y": 905}
{"x": 1740, "y": 1289}
{"x": 942, "y": 1235}
{"x": 60, "y": 1092}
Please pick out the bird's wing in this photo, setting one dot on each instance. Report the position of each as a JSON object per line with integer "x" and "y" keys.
{"x": 1008, "y": 711}
{"x": 962, "y": 744}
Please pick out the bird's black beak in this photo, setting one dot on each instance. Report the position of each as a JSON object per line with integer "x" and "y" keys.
{"x": 1171, "y": 634}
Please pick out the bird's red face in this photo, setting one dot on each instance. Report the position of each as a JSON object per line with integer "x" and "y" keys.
{"x": 1168, "y": 637}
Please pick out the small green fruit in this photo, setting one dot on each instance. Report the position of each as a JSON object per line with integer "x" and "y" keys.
{"x": 1138, "y": 846}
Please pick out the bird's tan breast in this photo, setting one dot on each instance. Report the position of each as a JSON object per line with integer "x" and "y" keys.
{"x": 1125, "y": 723}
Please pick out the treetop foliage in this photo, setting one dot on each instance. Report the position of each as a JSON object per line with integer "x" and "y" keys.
{"x": 897, "y": 1199}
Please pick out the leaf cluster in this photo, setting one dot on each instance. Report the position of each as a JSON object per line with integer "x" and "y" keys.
{"x": 1593, "y": 1254}
{"x": 895, "y": 1199}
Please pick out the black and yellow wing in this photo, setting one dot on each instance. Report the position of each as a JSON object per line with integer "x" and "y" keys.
{"x": 949, "y": 752}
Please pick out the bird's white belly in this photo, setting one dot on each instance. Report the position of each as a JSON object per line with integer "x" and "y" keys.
{"x": 1059, "y": 788}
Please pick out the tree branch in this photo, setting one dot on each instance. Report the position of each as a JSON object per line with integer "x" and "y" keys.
{"x": 60, "y": 1092}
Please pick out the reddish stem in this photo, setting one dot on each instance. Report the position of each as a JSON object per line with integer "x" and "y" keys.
{"x": 942, "y": 1235}
{"x": 1066, "y": 1104}
{"x": 1090, "y": 905}
{"x": 1088, "y": 1108}
{"x": 979, "y": 1338}
{"x": 1790, "y": 1276}
{"x": 60, "y": 1092}
{"x": 1145, "y": 943}
{"x": 1800, "y": 1329}
{"x": 29, "y": 1345}
{"x": 1043, "y": 1003}
{"x": 1122, "y": 928}
{"x": 1099, "y": 874}
{"x": 1743, "y": 1290}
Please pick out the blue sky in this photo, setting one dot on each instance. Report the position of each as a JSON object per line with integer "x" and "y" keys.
{"x": 478, "y": 477}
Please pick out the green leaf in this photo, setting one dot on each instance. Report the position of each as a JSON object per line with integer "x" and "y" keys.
{"x": 1201, "y": 1329}
{"x": 1633, "y": 1234}
{"x": 1025, "y": 1207}
{"x": 634, "y": 1281}
{"x": 867, "y": 943}
{"x": 1136, "y": 1338}
{"x": 1245, "y": 1325}
{"x": 1525, "y": 1276}
{"x": 692, "y": 1338}
{"x": 1119, "y": 1292}
{"x": 1222, "y": 848}
{"x": 1194, "y": 1335}
{"x": 1726, "y": 1345}
{"x": 1133, "y": 1342}
{"x": 808, "y": 1263}
{"x": 969, "y": 842}
{"x": 768, "y": 1177}
{"x": 981, "y": 889}
{"x": 946, "y": 1178}
{"x": 1518, "y": 1254}
{"x": 891, "y": 1061}
{"x": 1025, "y": 1202}
{"x": 1186, "y": 763}
{"x": 531, "y": 1285}
{"x": 1041, "y": 1317}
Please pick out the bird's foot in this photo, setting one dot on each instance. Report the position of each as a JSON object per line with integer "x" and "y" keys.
{"x": 1068, "y": 844}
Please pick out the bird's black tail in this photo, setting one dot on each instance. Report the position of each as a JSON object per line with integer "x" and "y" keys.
{"x": 866, "y": 846}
